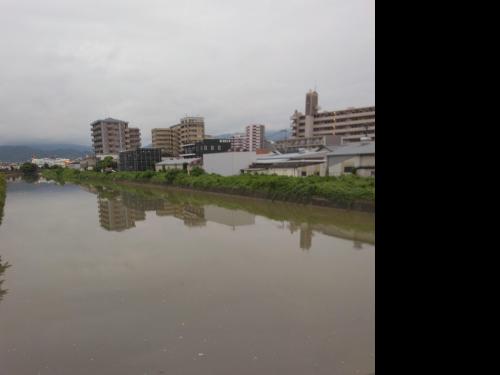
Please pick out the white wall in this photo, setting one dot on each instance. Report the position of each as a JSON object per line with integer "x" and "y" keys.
{"x": 337, "y": 164}
{"x": 228, "y": 163}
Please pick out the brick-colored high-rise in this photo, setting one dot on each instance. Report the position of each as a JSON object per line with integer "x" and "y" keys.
{"x": 112, "y": 136}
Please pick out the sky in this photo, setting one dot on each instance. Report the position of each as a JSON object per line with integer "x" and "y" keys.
{"x": 66, "y": 63}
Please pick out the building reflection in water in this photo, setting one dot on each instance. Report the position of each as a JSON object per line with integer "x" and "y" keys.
{"x": 305, "y": 234}
{"x": 120, "y": 210}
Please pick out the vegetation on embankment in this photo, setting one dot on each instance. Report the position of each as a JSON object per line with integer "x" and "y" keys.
{"x": 3, "y": 191}
{"x": 345, "y": 191}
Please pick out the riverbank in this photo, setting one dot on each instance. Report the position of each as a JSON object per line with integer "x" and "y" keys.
{"x": 350, "y": 192}
{"x": 3, "y": 192}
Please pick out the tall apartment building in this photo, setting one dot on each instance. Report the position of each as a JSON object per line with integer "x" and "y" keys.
{"x": 351, "y": 124}
{"x": 254, "y": 137}
{"x": 166, "y": 139}
{"x": 171, "y": 140}
{"x": 134, "y": 135}
{"x": 190, "y": 130}
{"x": 112, "y": 136}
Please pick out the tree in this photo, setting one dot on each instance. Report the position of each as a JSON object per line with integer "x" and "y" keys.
{"x": 29, "y": 168}
{"x": 107, "y": 162}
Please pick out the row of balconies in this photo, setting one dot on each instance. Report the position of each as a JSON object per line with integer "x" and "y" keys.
{"x": 355, "y": 113}
{"x": 350, "y": 129}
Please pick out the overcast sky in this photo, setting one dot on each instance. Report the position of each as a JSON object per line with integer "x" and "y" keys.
{"x": 65, "y": 63}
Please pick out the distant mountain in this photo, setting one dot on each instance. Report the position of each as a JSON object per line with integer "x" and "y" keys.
{"x": 278, "y": 135}
{"x": 271, "y": 135}
{"x": 20, "y": 153}
{"x": 223, "y": 136}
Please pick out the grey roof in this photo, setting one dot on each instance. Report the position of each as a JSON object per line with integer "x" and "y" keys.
{"x": 285, "y": 164}
{"x": 359, "y": 148}
{"x": 177, "y": 161}
{"x": 295, "y": 156}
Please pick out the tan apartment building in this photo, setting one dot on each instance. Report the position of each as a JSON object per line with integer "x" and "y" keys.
{"x": 350, "y": 124}
{"x": 171, "y": 140}
{"x": 166, "y": 139}
{"x": 112, "y": 136}
{"x": 134, "y": 136}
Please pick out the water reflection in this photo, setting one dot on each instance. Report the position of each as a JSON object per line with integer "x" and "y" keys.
{"x": 119, "y": 210}
{"x": 152, "y": 277}
{"x": 3, "y": 266}
{"x": 121, "y": 207}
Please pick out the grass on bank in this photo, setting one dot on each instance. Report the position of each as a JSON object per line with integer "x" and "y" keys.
{"x": 344, "y": 189}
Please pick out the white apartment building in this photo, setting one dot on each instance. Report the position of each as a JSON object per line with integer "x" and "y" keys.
{"x": 254, "y": 137}
{"x": 238, "y": 142}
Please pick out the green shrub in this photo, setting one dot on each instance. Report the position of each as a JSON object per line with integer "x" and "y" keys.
{"x": 197, "y": 171}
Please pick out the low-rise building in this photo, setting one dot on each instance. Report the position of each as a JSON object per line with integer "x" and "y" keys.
{"x": 358, "y": 158}
{"x": 177, "y": 163}
{"x": 142, "y": 159}
{"x": 299, "y": 164}
{"x": 88, "y": 163}
{"x": 290, "y": 168}
{"x": 228, "y": 163}
{"x": 40, "y": 162}
{"x": 74, "y": 165}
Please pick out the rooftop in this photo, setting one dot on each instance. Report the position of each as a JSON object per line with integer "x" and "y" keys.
{"x": 360, "y": 148}
{"x": 108, "y": 119}
{"x": 175, "y": 161}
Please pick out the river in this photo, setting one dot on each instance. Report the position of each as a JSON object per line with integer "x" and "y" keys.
{"x": 127, "y": 280}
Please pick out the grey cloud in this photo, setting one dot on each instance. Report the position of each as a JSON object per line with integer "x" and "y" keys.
{"x": 66, "y": 63}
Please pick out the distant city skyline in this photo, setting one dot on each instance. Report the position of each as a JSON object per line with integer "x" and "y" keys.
{"x": 234, "y": 63}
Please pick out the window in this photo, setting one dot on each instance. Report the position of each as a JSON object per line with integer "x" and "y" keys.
{"x": 303, "y": 173}
{"x": 348, "y": 169}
